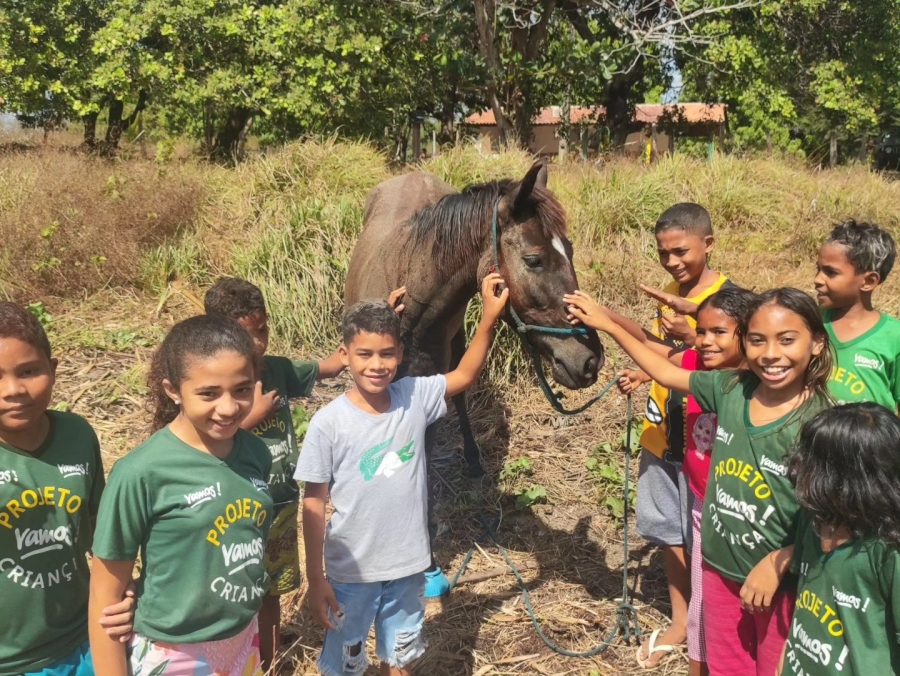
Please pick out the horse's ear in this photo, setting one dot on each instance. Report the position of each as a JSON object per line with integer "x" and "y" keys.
{"x": 536, "y": 176}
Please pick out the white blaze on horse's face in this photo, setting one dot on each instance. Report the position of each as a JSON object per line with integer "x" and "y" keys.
{"x": 558, "y": 245}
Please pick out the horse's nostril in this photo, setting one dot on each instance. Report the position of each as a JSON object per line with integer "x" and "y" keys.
{"x": 590, "y": 366}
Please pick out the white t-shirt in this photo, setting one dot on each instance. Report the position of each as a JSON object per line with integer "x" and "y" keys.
{"x": 375, "y": 467}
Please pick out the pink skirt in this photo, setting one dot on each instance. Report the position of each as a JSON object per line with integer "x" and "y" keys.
{"x": 235, "y": 656}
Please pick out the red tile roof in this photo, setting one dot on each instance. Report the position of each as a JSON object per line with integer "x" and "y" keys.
{"x": 644, "y": 112}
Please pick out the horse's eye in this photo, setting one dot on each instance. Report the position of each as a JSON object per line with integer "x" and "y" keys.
{"x": 532, "y": 261}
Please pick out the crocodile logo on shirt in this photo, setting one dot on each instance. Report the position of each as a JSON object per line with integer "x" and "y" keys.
{"x": 378, "y": 461}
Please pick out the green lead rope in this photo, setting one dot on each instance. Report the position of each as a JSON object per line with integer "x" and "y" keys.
{"x": 626, "y": 614}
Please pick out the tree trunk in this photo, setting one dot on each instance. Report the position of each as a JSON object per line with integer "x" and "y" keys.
{"x": 118, "y": 124}
{"x": 90, "y": 130}
{"x": 226, "y": 147}
{"x": 833, "y": 150}
{"x": 526, "y": 43}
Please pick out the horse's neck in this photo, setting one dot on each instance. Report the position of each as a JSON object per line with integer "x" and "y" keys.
{"x": 438, "y": 304}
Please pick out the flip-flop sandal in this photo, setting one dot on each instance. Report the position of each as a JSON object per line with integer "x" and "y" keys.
{"x": 643, "y": 662}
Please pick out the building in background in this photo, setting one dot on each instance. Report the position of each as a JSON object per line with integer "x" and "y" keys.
{"x": 654, "y": 126}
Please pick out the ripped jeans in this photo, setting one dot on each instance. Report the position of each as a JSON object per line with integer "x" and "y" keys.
{"x": 397, "y": 608}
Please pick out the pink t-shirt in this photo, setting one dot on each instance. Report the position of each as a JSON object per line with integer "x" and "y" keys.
{"x": 699, "y": 433}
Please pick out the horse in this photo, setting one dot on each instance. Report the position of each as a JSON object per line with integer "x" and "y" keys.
{"x": 420, "y": 232}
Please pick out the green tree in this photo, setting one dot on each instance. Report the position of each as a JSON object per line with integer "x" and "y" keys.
{"x": 796, "y": 72}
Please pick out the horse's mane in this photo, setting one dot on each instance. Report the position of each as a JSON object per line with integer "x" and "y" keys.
{"x": 456, "y": 225}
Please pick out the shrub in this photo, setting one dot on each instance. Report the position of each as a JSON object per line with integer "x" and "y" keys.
{"x": 71, "y": 225}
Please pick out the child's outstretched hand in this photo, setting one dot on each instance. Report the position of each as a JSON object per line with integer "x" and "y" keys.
{"x": 323, "y": 603}
{"x": 681, "y": 305}
{"x": 584, "y": 310}
{"x": 629, "y": 381}
{"x": 493, "y": 302}
{"x": 394, "y": 298}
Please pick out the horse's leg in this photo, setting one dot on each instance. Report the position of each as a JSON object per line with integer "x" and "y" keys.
{"x": 471, "y": 452}
{"x": 436, "y": 582}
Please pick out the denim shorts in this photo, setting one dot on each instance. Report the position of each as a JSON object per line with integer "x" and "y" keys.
{"x": 76, "y": 663}
{"x": 397, "y": 609}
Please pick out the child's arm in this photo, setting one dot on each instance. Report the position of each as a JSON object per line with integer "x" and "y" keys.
{"x": 584, "y": 310}
{"x": 465, "y": 375}
{"x": 331, "y": 366}
{"x": 109, "y": 579}
{"x": 321, "y": 595}
{"x": 763, "y": 581}
{"x": 264, "y": 405}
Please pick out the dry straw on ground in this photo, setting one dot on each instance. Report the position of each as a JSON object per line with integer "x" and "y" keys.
{"x": 287, "y": 220}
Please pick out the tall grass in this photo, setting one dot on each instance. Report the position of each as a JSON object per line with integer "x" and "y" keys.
{"x": 288, "y": 220}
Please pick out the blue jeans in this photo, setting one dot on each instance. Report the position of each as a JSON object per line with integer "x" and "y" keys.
{"x": 76, "y": 663}
{"x": 397, "y": 608}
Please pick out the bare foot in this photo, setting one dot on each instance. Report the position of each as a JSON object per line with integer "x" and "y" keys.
{"x": 670, "y": 637}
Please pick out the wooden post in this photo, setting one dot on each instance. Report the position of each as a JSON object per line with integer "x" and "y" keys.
{"x": 654, "y": 147}
{"x": 721, "y": 134}
{"x": 864, "y": 146}
{"x": 832, "y": 150}
{"x": 585, "y": 141}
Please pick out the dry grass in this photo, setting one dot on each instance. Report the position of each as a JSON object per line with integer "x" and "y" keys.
{"x": 72, "y": 225}
{"x": 287, "y": 221}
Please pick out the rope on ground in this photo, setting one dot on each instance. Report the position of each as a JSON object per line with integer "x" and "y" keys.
{"x": 626, "y": 614}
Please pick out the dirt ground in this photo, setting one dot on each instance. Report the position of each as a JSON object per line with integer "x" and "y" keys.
{"x": 568, "y": 547}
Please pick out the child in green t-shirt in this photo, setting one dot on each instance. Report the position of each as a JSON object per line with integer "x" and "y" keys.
{"x": 51, "y": 478}
{"x": 281, "y": 379}
{"x": 194, "y": 503}
{"x": 750, "y": 512}
{"x": 847, "y": 615}
{"x": 853, "y": 262}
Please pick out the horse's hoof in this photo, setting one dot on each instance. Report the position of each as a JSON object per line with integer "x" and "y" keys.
{"x": 478, "y": 483}
{"x": 476, "y": 471}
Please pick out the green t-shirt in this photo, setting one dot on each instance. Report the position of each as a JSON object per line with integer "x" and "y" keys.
{"x": 848, "y": 602}
{"x": 867, "y": 368}
{"x": 200, "y": 525}
{"x": 290, "y": 380}
{"x": 749, "y": 510}
{"x": 46, "y": 501}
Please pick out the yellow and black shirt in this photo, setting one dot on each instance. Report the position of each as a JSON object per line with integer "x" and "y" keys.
{"x": 664, "y": 433}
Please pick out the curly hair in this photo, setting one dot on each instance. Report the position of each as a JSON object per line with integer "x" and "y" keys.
{"x": 17, "y": 322}
{"x": 819, "y": 369}
{"x": 234, "y": 297}
{"x": 201, "y": 337}
{"x": 868, "y": 247}
{"x": 844, "y": 469}
{"x": 370, "y": 316}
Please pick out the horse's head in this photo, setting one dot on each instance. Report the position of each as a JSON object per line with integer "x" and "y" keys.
{"x": 535, "y": 259}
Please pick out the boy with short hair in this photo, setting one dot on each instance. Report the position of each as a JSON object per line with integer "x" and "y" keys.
{"x": 852, "y": 263}
{"x": 51, "y": 478}
{"x": 684, "y": 241}
{"x": 367, "y": 450}
{"x": 281, "y": 379}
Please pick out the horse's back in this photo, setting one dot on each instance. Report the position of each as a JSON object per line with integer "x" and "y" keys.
{"x": 374, "y": 267}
